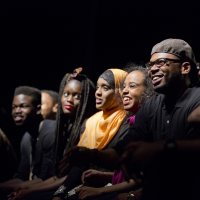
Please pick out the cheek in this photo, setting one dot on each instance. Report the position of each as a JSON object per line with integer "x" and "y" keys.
{"x": 113, "y": 99}
{"x": 108, "y": 101}
{"x": 76, "y": 103}
{"x": 28, "y": 111}
{"x": 106, "y": 96}
{"x": 135, "y": 101}
{"x": 170, "y": 72}
{"x": 44, "y": 107}
{"x": 62, "y": 100}
{"x": 137, "y": 96}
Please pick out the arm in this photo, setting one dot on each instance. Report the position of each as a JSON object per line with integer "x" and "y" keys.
{"x": 188, "y": 145}
{"x": 194, "y": 116}
{"x": 91, "y": 175}
{"x": 10, "y": 185}
{"x": 86, "y": 192}
{"x": 108, "y": 158}
{"x": 25, "y": 184}
{"x": 141, "y": 153}
{"x": 46, "y": 185}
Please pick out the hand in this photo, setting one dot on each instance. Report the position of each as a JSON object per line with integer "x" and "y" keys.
{"x": 90, "y": 176}
{"x": 121, "y": 196}
{"x": 75, "y": 156}
{"x": 138, "y": 154}
{"x": 56, "y": 198}
{"x": 19, "y": 194}
{"x": 87, "y": 192}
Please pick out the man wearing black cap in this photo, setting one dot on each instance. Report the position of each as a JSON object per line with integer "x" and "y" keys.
{"x": 167, "y": 123}
{"x": 164, "y": 142}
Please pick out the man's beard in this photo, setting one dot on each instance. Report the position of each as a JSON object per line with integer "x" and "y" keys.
{"x": 174, "y": 83}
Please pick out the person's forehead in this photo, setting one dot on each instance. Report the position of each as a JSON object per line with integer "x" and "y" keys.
{"x": 156, "y": 56}
{"x": 21, "y": 98}
{"x": 135, "y": 76}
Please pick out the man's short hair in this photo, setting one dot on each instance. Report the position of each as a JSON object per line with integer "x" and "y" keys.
{"x": 29, "y": 91}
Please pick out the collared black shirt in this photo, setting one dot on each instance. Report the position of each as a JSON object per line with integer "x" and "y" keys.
{"x": 154, "y": 122}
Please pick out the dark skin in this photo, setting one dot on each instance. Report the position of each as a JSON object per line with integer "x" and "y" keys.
{"x": 164, "y": 82}
{"x": 70, "y": 100}
{"x": 71, "y": 97}
{"x": 163, "y": 77}
{"x": 138, "y": 154}
{"x": 172, "y": 80}
{"x": 24, "y": 113}
{"x": 194, "y": 116}
{"x": 26, "y": 117}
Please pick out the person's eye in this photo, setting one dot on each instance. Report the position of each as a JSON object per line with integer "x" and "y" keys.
{"x": 25, "y": 106}
{"x": 14, "y": 107}
{"x": 106, "y": 88}
{"x": 160, "y": 62}
{"x": 133, "y": 85}
{"x": 77, "y": 96}
{"x": 65, "y": 94}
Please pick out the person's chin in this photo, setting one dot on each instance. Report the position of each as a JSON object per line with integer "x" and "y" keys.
{"x": 98, "y": 107}
{"x": 68, "y": 112}
{"x": 19, "y": 123}
{"x": 160, "y": 89}
{"x": 127, "y": 107}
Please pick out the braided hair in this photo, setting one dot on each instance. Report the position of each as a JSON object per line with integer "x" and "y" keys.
{"x": 68, "y": 127}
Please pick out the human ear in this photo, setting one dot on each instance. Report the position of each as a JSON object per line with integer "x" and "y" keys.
{"x": 185, "y": 68}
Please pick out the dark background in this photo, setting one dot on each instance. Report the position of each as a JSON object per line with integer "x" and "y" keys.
{"x": 43, "y": 40}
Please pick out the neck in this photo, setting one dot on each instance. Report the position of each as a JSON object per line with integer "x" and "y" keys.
{"x": 172, "y": 96}
{"x": 33, "y": 128}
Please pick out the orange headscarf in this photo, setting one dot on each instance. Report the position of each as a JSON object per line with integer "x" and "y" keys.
{"x": 102, "y": 126}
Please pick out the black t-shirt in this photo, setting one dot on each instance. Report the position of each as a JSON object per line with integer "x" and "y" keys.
{"x": 37, "y": 154}
{"x": 43, "y": 166}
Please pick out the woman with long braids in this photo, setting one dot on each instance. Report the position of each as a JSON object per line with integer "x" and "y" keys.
{"x": 102, "y": 130}
{"x": 76, "y": 103}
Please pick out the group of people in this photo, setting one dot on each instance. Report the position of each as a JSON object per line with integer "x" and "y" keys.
{"x": 136, "y": 135}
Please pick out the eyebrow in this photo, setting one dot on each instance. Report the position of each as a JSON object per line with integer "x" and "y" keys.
{"x": 134, "y": 83}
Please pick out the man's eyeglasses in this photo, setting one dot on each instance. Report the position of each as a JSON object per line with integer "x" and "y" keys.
{"x": 161, "y": 61}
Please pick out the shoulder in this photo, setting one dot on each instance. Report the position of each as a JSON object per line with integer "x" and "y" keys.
{"x": 47, "y": 129}
{"x": 195, "y": 91}
{"x": 47, "y": 134}
{"x": 191, "y": 96}
{"x": 4, "y": 141}
{"x": 154, "y": 102}
{"x": 47, "y": 125}
{"x": 94, "y": 116}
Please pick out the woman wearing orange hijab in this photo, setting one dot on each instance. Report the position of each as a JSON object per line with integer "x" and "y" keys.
{"x": 103, "y": 129}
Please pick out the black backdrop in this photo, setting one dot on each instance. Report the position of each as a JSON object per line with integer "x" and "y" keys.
{"x": 43, "y": 40}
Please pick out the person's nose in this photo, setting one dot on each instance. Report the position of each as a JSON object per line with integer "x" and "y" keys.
{"x": 125, "y": 90}
{"x": 98, "y": 92}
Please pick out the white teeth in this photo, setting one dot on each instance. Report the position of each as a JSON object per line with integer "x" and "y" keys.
{"x": 155, "y": 78}
{"x": 17, "y": 117}
{"x": 126, "y": 98}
